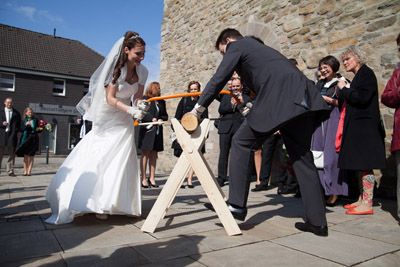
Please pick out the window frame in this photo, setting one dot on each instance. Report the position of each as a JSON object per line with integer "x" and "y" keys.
{"x": 4, "y": 89}
{"x": 64, "y": 87}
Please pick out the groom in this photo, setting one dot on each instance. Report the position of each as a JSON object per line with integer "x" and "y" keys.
{"x": 9, "y": 128}
{"x": 285, "y": 100}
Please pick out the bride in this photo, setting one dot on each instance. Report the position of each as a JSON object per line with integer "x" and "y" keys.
{"x": 101, "y": 174}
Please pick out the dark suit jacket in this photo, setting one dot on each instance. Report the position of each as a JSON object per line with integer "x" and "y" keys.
{"x": 233, "y": 116}
{"x": 282, "y": 91}
{"x": 148, "y": 139}
{"x": 362, "y": 146}
{"x": 12, "y": 138}
{"x": 186, "y": 104}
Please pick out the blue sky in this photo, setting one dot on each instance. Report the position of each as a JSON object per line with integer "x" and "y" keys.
{"x": 96, "y": 23}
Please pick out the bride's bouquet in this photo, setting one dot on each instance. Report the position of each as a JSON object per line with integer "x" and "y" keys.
{"x": 43, "y": 126}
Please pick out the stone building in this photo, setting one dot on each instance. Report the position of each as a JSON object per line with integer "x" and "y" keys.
{"x": 306, "y": 30}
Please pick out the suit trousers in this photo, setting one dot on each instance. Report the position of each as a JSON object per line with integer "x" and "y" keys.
{"x": 272, "y": 142}
{"x": 225, "y": 141}
{"x": 296, "y": 135}
{"x": 11, "y": 157}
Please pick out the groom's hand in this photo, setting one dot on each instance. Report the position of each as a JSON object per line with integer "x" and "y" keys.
{"x": 246, "y": 109}
{"x": 197, "y": 111}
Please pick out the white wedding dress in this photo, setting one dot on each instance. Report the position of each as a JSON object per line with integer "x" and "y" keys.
{"x": 101, "y": 173}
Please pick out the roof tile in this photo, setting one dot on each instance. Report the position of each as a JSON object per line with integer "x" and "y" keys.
{"x": 24, "y": 49}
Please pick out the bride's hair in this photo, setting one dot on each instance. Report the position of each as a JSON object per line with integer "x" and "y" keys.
{"x": 131, "y": 39}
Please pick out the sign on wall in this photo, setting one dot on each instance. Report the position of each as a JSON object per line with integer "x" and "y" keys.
{"x": 39, "y": 108}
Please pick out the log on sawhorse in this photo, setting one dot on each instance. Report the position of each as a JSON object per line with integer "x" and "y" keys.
{"x": 191, "y": 157}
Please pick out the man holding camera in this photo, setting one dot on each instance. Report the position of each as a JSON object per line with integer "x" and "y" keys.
{"x": 231, "y": 119}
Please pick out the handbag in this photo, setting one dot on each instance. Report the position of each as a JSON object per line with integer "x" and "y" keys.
{"x": 319, "y": 155}
{"x": 318, "y": 158}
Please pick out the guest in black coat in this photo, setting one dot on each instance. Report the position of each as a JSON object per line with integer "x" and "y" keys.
{"x": 231, "y": 119}
{"x": 185, "y": 105}
{"x": 9, "y": 128}
{"x": 151, "y": 136}
{"x": 285, "y": 100}
{"x": 29, "y": 143}
{"x": 360, "y": 136}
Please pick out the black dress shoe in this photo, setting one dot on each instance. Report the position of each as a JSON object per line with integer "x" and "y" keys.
{"x": 12, "y": 174}
{"x": 221, "y": 182}
{"x": 281, "y": 187}
{"x": 287, "y": 191}
{"x": 190, "y": 186}
{"x": 259, "y": 187}
{"x": 237, "y": 213}
{"x": 145, "y": 186}
{"x": 316, "y": 230}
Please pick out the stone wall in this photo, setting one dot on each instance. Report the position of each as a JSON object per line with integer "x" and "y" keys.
{"x": 306, "y": 30}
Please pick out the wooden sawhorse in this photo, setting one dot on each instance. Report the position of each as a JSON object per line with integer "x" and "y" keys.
{"x": 191, "y": 157}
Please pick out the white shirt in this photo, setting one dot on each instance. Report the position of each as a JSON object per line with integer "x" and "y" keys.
{"x": 8, "y": 117}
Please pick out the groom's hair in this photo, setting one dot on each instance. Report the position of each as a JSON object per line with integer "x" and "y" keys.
{"x": 227, "y": 33}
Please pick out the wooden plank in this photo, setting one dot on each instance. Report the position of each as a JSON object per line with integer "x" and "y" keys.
{"x": 167, "y": 195}
{"x": 206, "y": 178}
{"x": 168, "y": 192}
{"x": 191, "y": 156}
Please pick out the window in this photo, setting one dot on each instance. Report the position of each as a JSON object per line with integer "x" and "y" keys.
{"x": 7, "y": 82}
{"x": 59, "y": 87}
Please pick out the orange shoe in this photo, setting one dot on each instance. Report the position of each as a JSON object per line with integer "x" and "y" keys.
{"x": 353, "y": 212}
{"x": 350, "y": 206}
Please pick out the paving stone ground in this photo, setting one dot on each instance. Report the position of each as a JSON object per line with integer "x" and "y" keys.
{"x": 189, "y": 235}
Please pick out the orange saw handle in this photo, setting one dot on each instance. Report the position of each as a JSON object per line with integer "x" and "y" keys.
{"x": 189, "y": 94}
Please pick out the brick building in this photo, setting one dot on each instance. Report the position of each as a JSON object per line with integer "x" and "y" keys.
{"x": 49, "y": 74}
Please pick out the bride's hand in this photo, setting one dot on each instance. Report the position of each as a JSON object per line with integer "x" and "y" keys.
{"x": 143, "y": 105}
{"x": 136, "y": 113}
